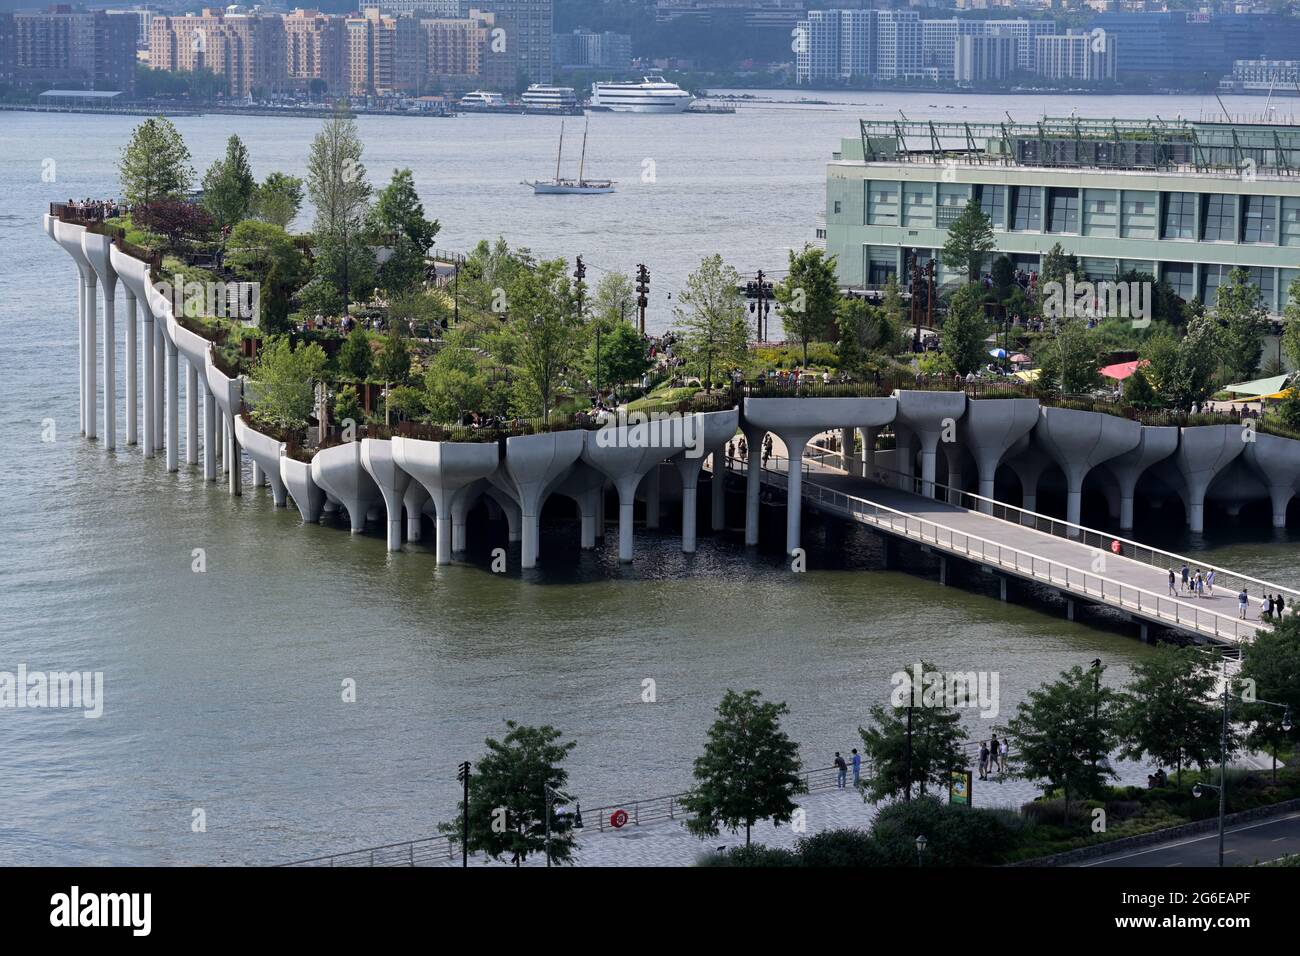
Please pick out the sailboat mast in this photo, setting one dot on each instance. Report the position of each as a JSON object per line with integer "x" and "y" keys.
{"x": 583, "y": 158}
{"x": 559, "y": 152}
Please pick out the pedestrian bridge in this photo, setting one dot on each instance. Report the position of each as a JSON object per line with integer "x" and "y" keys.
{"x": 1081, "y": 564}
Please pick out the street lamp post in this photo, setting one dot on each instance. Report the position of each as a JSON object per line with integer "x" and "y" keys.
{"x": 462, "y": 774}
{"x": 551, "y": 793}
{"x": 921, "y": 843}
{"x": 1222, "y": 788}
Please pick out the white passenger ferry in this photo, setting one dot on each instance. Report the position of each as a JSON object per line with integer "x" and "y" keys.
{"x": 541, "y": 96}
{"x": 653, "y": 94}
{"x": 481, "y": 99}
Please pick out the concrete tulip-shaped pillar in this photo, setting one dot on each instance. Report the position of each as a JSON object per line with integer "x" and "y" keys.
{"x": 377, "y": 459}
{"x": 534, "y": 465}
{"x": 904, "y": 458}
{"x": 266, "y": 453}
{"x": 718, "y": 488}
{"x": 1156, "y": 444}
{"x": 159, "y": 383}
{"x": 1277, "y": 461}
{"x": 1203, "y": 452}
{"x": 1028, "y": 462}
{"x": 931, "y": 417}
{"x": 711, "y": 430}
{"x": 132, "y": 371}
{"x": 795, "y": 421}
{"x": 867, "y": 458}
{"x": 413, "y": 500}
{"x": 51, "y": 225}
{"x": 753, "y": 477}
{"x": 509, "y": 509}
{"x": 68, "y": 236}
{"x": 956, "y": 471}
{"x": 1078, "y": 441}
{"x": 209, "y": 433}
{"x": 444, "y": 468}
{"x": 308, "y": 496}
{"x": 339, "y": 471}
{"x": 585, "y": 485}
{"x": 173, "y": 406}
{"x": 462, "y": 502}
{"x": 989, "y": 429}
{"x": 96, "y": 248}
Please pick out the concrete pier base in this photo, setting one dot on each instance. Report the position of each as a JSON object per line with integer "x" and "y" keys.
{"x": 209, "y": 435}
{"x": 173, "y": 408}
{"x": 192, "y": 415}
{"x": 132, "y": 371}
{"x": 377, "y": 459}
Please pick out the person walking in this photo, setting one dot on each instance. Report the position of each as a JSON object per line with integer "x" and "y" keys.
{"x": 856, "y": 760}
{"x": 1209, "y": 582}
{"x": 1243, "y": 598}
{"x": 841, "y": 770}
{"x": 995, "y": 757}
{"x": 1173, "y": 584}
{"x": 1266, "y": 608}
{"x": 984, "y": 760}
{"x": 1005, "y": 754}
{"x": 1186, "y": 576}
{"x": 1281, "y": 606}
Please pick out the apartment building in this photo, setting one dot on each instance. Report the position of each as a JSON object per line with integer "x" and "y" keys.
{"x": 248, "y": 51}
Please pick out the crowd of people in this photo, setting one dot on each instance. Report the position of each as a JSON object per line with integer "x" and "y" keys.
{"x": 96, "y": 209}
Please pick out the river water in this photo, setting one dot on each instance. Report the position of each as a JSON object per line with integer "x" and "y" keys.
{"x": 223, "y": 688}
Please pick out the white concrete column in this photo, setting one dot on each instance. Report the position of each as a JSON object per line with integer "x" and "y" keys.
{"x": 753, "y": 479}
{"x": 688, "y": 514}
{"x": 589, "y": 505}
{"x": 88, "y": 281}
{"x": 852, "y": 462}
{"x": 149, "y": 392}
{"x": 257, "y": 478}
{"x": 209, "y": 432}
{"x": 173, "y": 409}
{"x": 795, "y": 443}
{"x": 132, "y": 371}
{"x": 626, "y": 507}
{"x": 233, "y": 462}
{"x": 159, "y": 386}
{"x": 718, "y": 490}
{"x": 223, "y": 456}
{"x": 81, "y": 352}
{"x": 868, "y": 456}
{"x": 191, "y": 414}
{"x": 413, "y": 500}
{"x": 110, "y": 363}
{"x": 600, "y": 512}
{"x": 652, "y": 497}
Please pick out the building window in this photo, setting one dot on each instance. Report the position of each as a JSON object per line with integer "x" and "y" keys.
{"x": 1178, "y": 275}
{"x": 1212, "y": 276}
{"x": 1062, "y": 210}
{"x": 993, "y": 203}
{"x": 1219, "y": 223}
{"x": 1180, "y": 217}
{"x": 1027, "y": 204}
{"x": 881, "y": 273}
{"x": 837, "y": 207}
{"x": 1262, "y": 279}
{"x": 1259, "y": 219}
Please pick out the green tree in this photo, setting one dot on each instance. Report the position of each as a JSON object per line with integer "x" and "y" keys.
{"x": 969, "y": 241}
{"x": 749, "y": 770}
{"x": 393, "y": 365}
{"x": 1291, "y": 321}
{"x": 155, "y": 164}
{"x": 453, "y": 383}
{"x": 1182, "y": 370}
{"x": 284, "y": 382}
{"x": 864, "y": 331}
{"x": 355, "y": 357}
{"x": 347, "y": 263}
{"x": 623, "y": 355}
{"x": 1057, "y": 267}
{"x": 1167, "y": 710}
{"x": 1004, "y": 277}
{"x": 336, "y": 183}
{"x": 965, "y": 330}
{"x": 543, "y": 331}
{"x": 1272, "y": 662}
{"x": 935, "y": 749}
{"x": 1069, "y": 359}
{"x": 808, "y": 297}
{"x": 398, "y": 221}
{"x": 255, "y": 248}
{"x": 614, "y": 299}
{"x": 1064, "y": 730}
{"x": 347, "y": 405}
{"x": 278, "y": 199}
{"x": 1138, "y": 391}
{"x": 508, "y": 797}
{"x": 711, "y": 320}
{"x": 229, "y": 186}
{"x": 1242, "y": 320}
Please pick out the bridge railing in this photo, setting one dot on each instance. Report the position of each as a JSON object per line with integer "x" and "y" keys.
{"x": 1101, "y": 540}
{"x": 1057, "y": 574}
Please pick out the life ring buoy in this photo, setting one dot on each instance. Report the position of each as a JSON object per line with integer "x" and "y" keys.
{"x": 1115, "y": 546}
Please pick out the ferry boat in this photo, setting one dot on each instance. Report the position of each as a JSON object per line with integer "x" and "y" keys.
{"x": 481, "y": 99}
{"x": 653, "y": 94}
{"x": 579, "y": 186}
{"x": 539, "y": 96}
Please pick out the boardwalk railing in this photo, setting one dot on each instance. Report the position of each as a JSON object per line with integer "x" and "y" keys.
{"x": 1080, "y": 583}
{"x": 1101, "y": 540}
{"x": 433, "y": 850}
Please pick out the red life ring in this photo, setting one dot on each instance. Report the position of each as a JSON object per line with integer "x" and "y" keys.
{"x": 1115, "y": 546}
{"x": 618, "y": 819}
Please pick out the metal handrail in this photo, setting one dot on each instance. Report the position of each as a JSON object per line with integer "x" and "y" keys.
{"x": 1129, "y": 548}
{"x": 1106, "y": 590}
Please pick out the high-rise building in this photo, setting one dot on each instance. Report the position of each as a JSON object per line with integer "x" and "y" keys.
{"x": 1086, "y": 56}
{"x": 143, "y": 17}
{"x": 898, "y": 44}
{"x": 246, "y": 50}
{"x": 74, "y": 47}
{"x": 984, "y": 59}
{"x": 314, "y": 49}
{"x": 370, "y": 44}
{"x": 528, "y": 26}
{"x": 817, "y": 47}
{"x": 585, "y": 49}
{"x": 1026, "y": 33}
{"x": 857, "y": 43}
{"x": 460, "y": 53}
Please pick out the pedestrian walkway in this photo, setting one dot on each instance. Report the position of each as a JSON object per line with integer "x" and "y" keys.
{"x": 1078, "y": 567}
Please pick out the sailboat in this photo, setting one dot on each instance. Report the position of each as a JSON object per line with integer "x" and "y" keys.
{"x": 560, "y": 186}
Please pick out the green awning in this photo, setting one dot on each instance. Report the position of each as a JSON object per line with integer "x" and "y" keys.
{"x": 1259, "y": 387}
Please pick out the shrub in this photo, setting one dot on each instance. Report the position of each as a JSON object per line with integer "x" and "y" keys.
{"x": 956, "y": 836}
{"x": 754, "y": 855}
{"x": 849, "y": 847}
